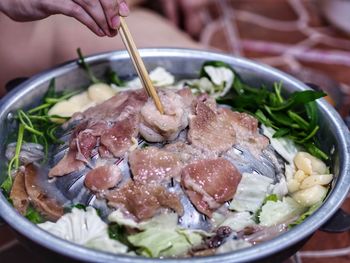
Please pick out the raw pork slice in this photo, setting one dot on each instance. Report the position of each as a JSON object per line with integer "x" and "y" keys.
{"x": 118, "y": 138}
{"x": 103, "y": 178}
{"x": 69, "y": 163}
{"x": 210, "y": 183}
{"x": 246, "y": 128}
{"x": 144, "y": 200}
{"x": 113, "y": 107}
{"x": 157, "y": 127}
{"x": 210, "y": 130}
{"x": 187, "y": 153}
{"x": 154, "y": 165}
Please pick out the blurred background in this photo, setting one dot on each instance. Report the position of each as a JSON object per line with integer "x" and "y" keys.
{"x": 309, "y": 39}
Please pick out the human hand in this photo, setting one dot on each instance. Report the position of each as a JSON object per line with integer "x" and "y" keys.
{"x": 191, "y": 11}
{"x": 101, "y": 16}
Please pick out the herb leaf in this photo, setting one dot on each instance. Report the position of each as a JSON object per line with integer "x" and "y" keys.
{"x": 33, "y": 215}
{"x": 113, "y": 78}
{"x": 294, "y": 117}
{"x": 119, "y": 233}
{"x": 86, "y": 67}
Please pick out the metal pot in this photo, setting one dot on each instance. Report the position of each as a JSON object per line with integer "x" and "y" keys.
{"x": 185, "y": 63}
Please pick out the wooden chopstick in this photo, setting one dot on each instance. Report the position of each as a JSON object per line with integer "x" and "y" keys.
{"x": 139, "y": 65}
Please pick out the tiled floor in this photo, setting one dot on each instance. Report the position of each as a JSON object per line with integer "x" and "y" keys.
{"x": 263, "y": 30}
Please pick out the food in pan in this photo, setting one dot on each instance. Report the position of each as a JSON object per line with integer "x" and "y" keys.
{"x": 225, "y": 167}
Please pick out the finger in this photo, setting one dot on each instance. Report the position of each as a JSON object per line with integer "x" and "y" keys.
{"x": 71, "y": 9}
{"x": 123, "y": 8}
{"x": 95, "y": 10}
{"x": 110, "y": 8}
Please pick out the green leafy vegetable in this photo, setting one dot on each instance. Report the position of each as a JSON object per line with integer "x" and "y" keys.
{"x": 7, "y": 184}
{"x": 113, "y": 78}
{"x": 221, "y": 77}
{"x": 305, "y": 215}
{"x": 274, "y": 212}
{"x": 294, "y": 118}
{"x": 86, "y": 67}
{"x": 68, "y": 209}
{"x": 35, "y": 125}
{"x": 14, "y": 162}
{"x": 165, "y": 242}
{"x": 272, "y": 198}
{"x": 80, "y": 206}
{"x": 34, "y": 216}
{"x": 118, "y": 232}
{"x": 6, "y": 193}
{"x": 84, "y": 227}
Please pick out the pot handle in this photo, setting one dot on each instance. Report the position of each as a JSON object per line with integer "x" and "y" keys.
{"x": 339, "y": 222}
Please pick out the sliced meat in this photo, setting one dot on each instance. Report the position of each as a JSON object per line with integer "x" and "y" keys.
{"x": 210, "y": 130}
{"x": 247, "y": 133}
{"x": 104, "y": 152}
{"x": 187, "y": 96}
{"x": 48, "y": 206}
{"x": 144, "y": 201}
{"x": 157, "y": 127}
{"x": 188, "y": 153}
{"x": 154, "y": 165}
{"x": 68, "y": 163}
{"x": 18, "y": 195}
{"x": 97, "y": 128}
{"x": 113, "y": 107}
{"x": 112, "y": 123}
{"x": 118, "y": 138}
{"x": 86, "y": 142}
{"x": 103, "y": 178}
{"x": 210, "y": 183}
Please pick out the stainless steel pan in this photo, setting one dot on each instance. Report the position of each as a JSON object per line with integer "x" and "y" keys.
{"x": 184, "y": 64}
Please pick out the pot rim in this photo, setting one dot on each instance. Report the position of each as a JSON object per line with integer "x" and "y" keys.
{"x": 298, "y": 233}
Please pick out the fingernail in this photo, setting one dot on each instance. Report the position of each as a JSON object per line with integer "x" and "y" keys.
{"x": 115, "y": 22}
{"x": 123, "y": 9}
{"x": 101, "y": 33}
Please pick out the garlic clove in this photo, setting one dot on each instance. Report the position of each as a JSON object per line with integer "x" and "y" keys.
{"x": 100, "y": 92}
{"x": 310, "y": 196}
{"x": 293, "y": 185}
{"x": 322, "y": 179}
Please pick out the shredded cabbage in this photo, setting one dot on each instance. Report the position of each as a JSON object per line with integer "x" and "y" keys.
{"x": 161, "y": 236}
{"x": 160, "y": 221}
{"x": 232, "y": 245}
{"x": 238, "y": 221}
{"x": 251, "y": 192}
{"x": 221, "y": 77}
{"x": 281, "y": 188}
{"x": 284, "y": 146}
{"x": 202, "y": 85}
{"x": 276, "y": 212}
{"x": 160, "y": 77}
{"x": 165, "y": 242}
{"x": 84, "y": 228}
